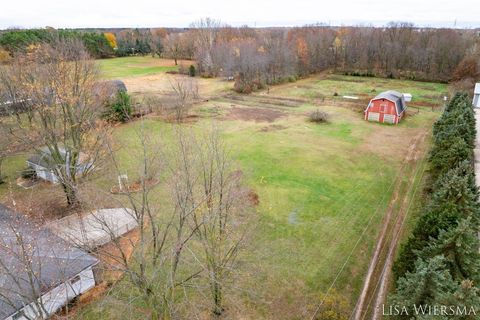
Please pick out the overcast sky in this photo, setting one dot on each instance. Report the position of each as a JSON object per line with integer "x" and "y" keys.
{"x": 261, "y": 13}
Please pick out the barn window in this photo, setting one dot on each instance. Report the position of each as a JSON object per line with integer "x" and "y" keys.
{"x": 384, "y": 107}
{"x": 75, "y": 279}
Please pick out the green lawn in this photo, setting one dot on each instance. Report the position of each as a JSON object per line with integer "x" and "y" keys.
{"x": 323, "y": 188}
{"x": 134, "y": 66}
{"x": 320, "y": 188}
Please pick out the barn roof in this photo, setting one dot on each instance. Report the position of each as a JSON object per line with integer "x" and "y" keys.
{"x": 395, "y": 97}
{"x": 50, "y": 258}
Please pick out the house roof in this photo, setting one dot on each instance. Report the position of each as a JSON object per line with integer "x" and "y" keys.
{"x": 395, "y": 97}
{"x": 49, "y": 261}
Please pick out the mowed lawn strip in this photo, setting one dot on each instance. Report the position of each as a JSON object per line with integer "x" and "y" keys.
{"x": 134, "y": 66}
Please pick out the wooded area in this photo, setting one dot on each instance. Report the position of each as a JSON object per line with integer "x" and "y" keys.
{"x": 258, "y": 57}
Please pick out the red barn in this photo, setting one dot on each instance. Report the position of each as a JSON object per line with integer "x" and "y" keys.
{"x": 387, "y": 107}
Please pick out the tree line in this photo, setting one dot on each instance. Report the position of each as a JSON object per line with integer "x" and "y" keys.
{"x": 439, "y": 263}
{"x": 15, "y": 41}
{"x": 259, "y": 57}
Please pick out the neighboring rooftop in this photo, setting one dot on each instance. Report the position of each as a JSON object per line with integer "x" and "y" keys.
{"x": 50, "y": 258}
{"x": 95, "y": 228}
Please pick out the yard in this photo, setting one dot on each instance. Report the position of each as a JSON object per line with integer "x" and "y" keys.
{"x": 323, "y": 188}
{"x": 137, "y": 66}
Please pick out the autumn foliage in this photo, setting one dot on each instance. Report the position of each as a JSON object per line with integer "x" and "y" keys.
{"x": 112, "y": 40}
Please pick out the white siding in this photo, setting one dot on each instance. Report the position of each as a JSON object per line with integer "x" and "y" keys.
{"x": 43, "y": 173}
{"x": 60, "y": 295}
{"x": 373, "y": 116}
{"x": 389, "y": 118}
{"x": 476, "y": 100}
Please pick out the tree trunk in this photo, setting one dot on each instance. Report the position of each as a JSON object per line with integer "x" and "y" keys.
{"x": 217, "y": 297}
{"x": 71, "y": 194}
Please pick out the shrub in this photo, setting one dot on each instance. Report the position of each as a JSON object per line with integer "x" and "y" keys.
{"x": 120, "y": 110}
{"x": 28, "y": 173}
{"x": 192, "y": 71}
{"x": 318, "y": 116}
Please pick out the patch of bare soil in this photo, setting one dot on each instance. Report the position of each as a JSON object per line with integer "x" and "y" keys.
{"x": 273, "y": 127}
{"x": 423, "y": 104}
{"x": 27, "y": 183}
{"x": 191, "y": 118}
{"x": 133, "y": 187}
{"x": 254, "y": 114}
{"x": 43, "y": 203}
{"x": 253, "y": 198}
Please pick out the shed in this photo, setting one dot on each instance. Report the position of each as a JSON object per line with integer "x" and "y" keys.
{"x": 44, "y": 166}
{"x": 476, "y": 96}
{"x": 387, "y": 107}
{"x": 60, "y": 271}
{"x": 95, "y": 228}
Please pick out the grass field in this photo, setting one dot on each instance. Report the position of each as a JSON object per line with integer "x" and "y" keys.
{"x": 323, "y": 188}
{"x": 136, "y": 66}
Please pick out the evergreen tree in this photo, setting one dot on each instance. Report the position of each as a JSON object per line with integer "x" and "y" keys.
{"x": 460, "y": 247}
{"x": 430, "y": 283}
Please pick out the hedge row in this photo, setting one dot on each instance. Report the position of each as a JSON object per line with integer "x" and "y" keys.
{"x": 440, "y": 263}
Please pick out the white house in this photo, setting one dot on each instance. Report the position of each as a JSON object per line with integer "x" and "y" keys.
{"x": 43, "y": 165}
{"x": 39, "y": 272}
{"x": 476, "y": 96}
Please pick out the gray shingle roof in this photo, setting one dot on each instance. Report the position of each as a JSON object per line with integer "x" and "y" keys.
{"x": 395, "y": 97}
{"x": 51, "y": 260}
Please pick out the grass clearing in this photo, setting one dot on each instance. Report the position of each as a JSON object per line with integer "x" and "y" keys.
{"x": 320, "y": 186}
{"x": 137, "y": 66}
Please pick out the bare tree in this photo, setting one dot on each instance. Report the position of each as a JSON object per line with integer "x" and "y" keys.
{"x": 220, "y": 225}
{"x": 190, "y": 242}
{"x": 205, "y": 35}
{"x": 174, "y": 47}
{"x": 185, "y": 92}
{"x": 60, "y": 85}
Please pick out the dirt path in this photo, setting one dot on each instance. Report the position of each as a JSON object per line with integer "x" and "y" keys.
{"x": 376, "y": 283}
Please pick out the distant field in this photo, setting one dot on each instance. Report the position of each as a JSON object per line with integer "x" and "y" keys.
{"x": 136, "y": 66}
{"x": 425, "y": 94}
{"x": 319, "y": 185}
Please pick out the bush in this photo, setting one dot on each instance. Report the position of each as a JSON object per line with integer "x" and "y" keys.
{"x": 120, "y": 110}
{"x": 192, "y": 71}
{"x": 28, "y": 173}
{"x": 318, "y": 116}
